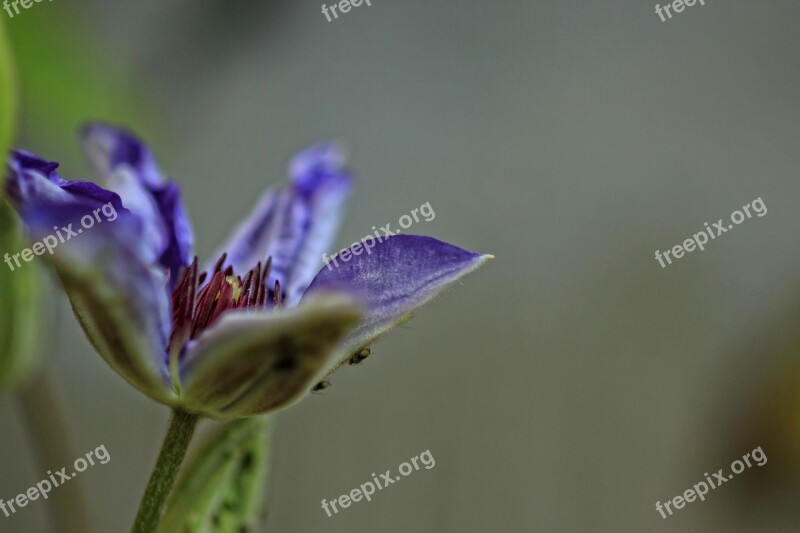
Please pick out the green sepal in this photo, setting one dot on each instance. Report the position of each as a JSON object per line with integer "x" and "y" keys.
{"x": 254, "y": 363}
{"x": 222, "y": 489}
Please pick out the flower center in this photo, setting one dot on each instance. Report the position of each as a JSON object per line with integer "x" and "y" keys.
{"x": 197, "y": 306}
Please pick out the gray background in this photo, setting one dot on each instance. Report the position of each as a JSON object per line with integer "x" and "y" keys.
{"x": 571, "y": 382}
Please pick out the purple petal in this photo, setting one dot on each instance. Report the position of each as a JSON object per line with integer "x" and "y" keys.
{"x": 317, "y": 176}
{"x": 250, "y": 241}
{"x": 139, "y": 201}
{"x": 107, "y": 147}
{"x": 119, "y": 298}
{"x": 112, "y": 150}
{"x": 34, "y": 181}
{"x": 180, "y": 247}
{"x": 392, "y": 279}
{"x": 296, "y": 225}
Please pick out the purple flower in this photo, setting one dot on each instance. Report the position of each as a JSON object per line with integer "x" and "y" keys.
{"x": 248, "y": 333}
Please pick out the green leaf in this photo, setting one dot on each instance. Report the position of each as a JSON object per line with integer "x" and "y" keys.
{"x": 222, "y": 489}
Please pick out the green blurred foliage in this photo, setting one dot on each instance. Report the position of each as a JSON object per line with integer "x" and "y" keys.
{"x": 7, "y": 91}
{"x": 222, "y": 490}
{"x": 66, "y": 79}
{"x": 19, "y": 306}
{"x": 18, "y": 288}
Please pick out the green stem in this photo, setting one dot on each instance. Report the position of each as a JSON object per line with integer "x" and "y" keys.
{"x": 176, "y": 442}
{"x": 43, "y": 417}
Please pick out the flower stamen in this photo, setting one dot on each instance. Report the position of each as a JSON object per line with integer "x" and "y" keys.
{"x": 196, "y": 305}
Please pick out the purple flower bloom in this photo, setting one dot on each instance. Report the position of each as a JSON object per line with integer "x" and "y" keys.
{"x": 257, "y": 328}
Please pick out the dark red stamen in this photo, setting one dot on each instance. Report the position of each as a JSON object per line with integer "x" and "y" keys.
{"x": 197, "y": 306}
{"x": 278, "y": 295}
{"x": 220, "y": 262}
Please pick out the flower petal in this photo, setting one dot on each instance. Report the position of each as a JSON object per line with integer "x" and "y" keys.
{"x": 318, "y": 177}
{"x": 32, "y": 180}
{"x": 107, "y": 147}
{"x": 295, "y": 225}
{"x": 120, "y": 301}
{"x": 110, "y": 149}
{"x": 398, "y": 275}
{"x": 254, "y": 362}
{"x": 140, "y": 202}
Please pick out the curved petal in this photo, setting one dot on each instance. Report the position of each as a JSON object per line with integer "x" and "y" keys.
{"x": 139, "y": 202}
{"x": 254, "y": 362}
{"x": 318, "y": 178}
{"x": 120, "y": 301}
{"x": 107, "y": 147}
{"x": 295, "y": 225}
{"x": 110, "y": 151}
{"x": 398, "y": 275}
{"x": 32, "y": 179}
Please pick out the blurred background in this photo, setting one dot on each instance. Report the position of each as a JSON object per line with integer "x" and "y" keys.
{"x": 566, "y": 386}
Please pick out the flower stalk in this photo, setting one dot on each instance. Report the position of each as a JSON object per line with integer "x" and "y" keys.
{"x": 176, "y": 442}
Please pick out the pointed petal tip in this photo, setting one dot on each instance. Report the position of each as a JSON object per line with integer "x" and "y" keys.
{"x": 105, "y": 132}
{"x": 109, "y": 142}
{"x": 319, "y": 164}
{"x": 108, "y": 146}
{"x": 398, "y": 275}
{"x": 325, "y": 154}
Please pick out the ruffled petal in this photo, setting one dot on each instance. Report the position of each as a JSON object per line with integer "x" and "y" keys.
{"x": 297, "y": 224}
{"x": 33, "y": 180}
{"x": 255, "y": 362}
{"x": 111, "y": 151}
{"x": 392, "y": 279}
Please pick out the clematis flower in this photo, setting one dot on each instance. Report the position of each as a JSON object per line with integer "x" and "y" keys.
{"x": 255, "y": 329}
